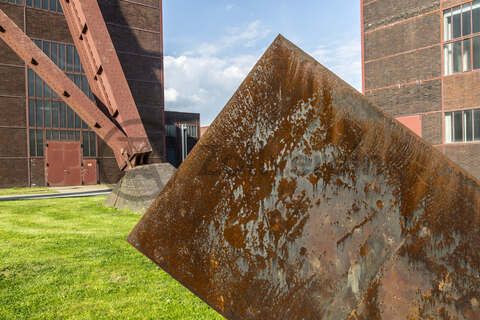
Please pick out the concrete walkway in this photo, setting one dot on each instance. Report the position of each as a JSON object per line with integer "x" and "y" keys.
{"x": 63, "y": 192}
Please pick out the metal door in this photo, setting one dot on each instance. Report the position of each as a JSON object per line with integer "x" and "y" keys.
{"x": 90, "y": 172}
{"x": 63, "y": 163}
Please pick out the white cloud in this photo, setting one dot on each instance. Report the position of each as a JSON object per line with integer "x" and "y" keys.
{"x": 171, "y": 95}
{"x": 203, "y": 80}
{"x": 344, "y": 59}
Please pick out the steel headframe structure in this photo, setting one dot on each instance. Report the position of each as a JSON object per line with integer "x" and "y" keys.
{"x": 115, "y": 116}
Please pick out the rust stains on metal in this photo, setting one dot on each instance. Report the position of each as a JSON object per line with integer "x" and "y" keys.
{"x": 304, "y": 201}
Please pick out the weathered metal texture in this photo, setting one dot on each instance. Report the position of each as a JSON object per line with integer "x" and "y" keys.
{"x": 304, "y": 201}
{"x": 128, "y": 150}
{"x": 63, "y": 163}
{"x": 103, "y": 69}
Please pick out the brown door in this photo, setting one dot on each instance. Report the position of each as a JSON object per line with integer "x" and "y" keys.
{"x": 63, "y": 163}
{"x": 89, "y": 174}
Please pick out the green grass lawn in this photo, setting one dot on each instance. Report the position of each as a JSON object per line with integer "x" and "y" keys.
{"x": 33, "y": 190}
{"x": 68, "y": 259}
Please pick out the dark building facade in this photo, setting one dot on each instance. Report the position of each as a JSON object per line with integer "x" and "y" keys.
{"x": 32, "y": 115}
{"x": 421, "y": 63}
{"x": 182, "y": 131}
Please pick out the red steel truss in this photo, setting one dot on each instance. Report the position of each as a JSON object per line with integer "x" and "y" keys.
{"x": 123, "y": 130}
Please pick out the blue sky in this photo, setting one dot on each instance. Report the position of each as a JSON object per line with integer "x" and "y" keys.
{"x": 210, "y": 46}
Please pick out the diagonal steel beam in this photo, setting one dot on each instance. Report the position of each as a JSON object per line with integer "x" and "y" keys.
{"x": 125, "y": 151}
{"x": 102, "y": 66}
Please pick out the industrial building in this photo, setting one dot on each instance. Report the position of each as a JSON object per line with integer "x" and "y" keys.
{"x": 421, "y": 64}
{"x": 32, "y": 115}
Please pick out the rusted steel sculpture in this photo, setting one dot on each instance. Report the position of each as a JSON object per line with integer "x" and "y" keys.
{"x": 304, "y": 201}
{"x": 122, "y": 128}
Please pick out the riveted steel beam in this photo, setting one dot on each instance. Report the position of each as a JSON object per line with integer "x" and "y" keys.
{"x": 126, "y": 153}
{"x": 102, "y": 66}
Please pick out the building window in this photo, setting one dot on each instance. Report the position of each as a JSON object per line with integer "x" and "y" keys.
{"x": 50, "y": 5}
{"x": 49, "y": 117}
{"x": 462, "y": 38}
{"x": 462, "y": 126}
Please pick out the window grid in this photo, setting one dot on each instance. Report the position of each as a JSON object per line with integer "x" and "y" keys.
{"x": 462, "y": 38}
{"x": 49, "y": 5}
{"x": 49, "y": 117}
{"x": 462, "y": 126}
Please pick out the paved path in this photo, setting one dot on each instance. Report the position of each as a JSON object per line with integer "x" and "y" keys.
{"x": 63, "y": 192}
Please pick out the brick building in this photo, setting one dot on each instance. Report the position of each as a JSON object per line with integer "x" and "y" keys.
{"x": 32, "y": 115}
{"x": 421, "y": 61}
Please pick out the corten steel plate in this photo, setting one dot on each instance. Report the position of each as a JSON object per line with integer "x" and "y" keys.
{"x": 304, "y": 201}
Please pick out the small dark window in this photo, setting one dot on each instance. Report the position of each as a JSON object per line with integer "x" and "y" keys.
{"x": 476, "y": 16}
{"x": 467, "y": 57}
{"x": 63, "y": 115}
{"x": 86, "y": 143}
{"x": 466, "y": 19}
{"x": 55, "y": 112}
{"x": 54, "y": 52}
{"x": 78, "y": 66}
{"x": 39, "y": 143}
{"x": 468, "y": 121}
{"x": 48, "y": 114}
{"x": 458, "y": 127}
{"x": 46, "y": 48}
{"x": 476, "y": 52}
{"x": 31, "y": 113}
{"x": 78, "y": 122}
{"x": 476, "y": 125}
{"x": 45, "y": 4}
{"x": 457, "y": 56}
{"x": 38, "y": 87}
{"x": 70, "y": 58}
{"x": 457, "y": 22}
{"x": 39, "y": 113}
{"x": 70, "y": 118}
{"x": 61, "y": 57}
{"x": 33, "y": 147}
{"x": 31, "y": 83}
{"x": 53, "y": 5}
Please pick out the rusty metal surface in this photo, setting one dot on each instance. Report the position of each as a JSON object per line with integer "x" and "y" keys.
{"x": 127, "y": 149}
{"x": 90, "y": 172}
{"x": 304, "y": 201}
{"x": 63, "y": 163}
{"x": 103, "y": 69}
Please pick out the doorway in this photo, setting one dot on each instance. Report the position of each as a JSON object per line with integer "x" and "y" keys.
{"x": 63, "y": 163}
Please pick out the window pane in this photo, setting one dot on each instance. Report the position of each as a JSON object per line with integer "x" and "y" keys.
{"x": 33, "y": 148}
{"x": 76, "y": 59}
{"x": 476, "y": 52}
{"x": 31, "y": 83}
{"x": 54, "y": 52}
{"x": 468, "y": 125}
{"x": 457, "y": 22}
{"x": 55, "y": 111}
{"x": 70, "y": 118}
{"x": 466, "y": 19}
{"x": 46, "y": 48}
{"x": 93, "y": 144}
{"x": 38, "y": 86}
{"x": 69, "y": 58}
{"x": 457, "y": 57}
{"x": 61, "y": 57}
{"x": 476, "y": 125}
{"x": 39, "y": 113}
{"x": 63, "y": 115}
{"x": 39, "y": 141}
{"x": 447, "y": 24}
{"x": 467, "y": 58}
{"x": 448, "y": 56}
{"x": 45, "y": 4}
{"x": 86, "y": 144}
{"x": 53, "y": 5}
{"x": 457, "y": 126}
{"x": 78, "y": 122}
{"x": 37, "y": 3}
{"x": 31, "y": 112}
{"x": 476, "y": 16}
{"x": 48, "y": 114}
